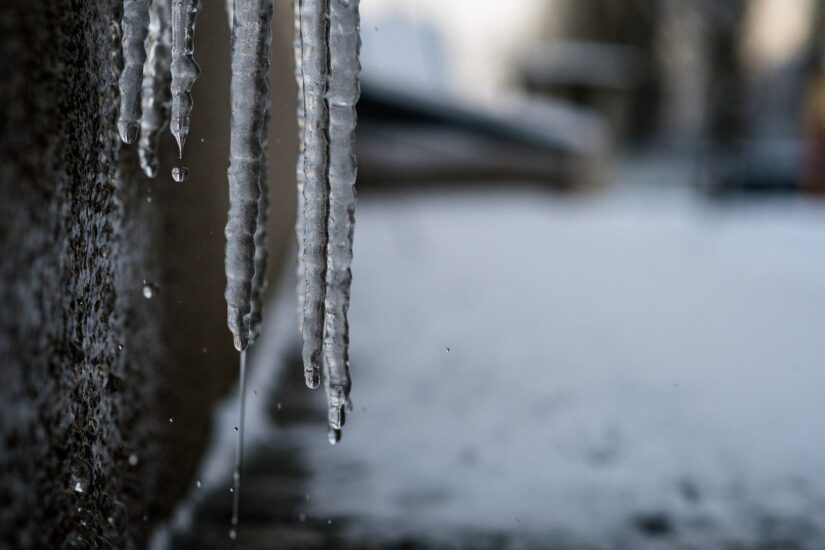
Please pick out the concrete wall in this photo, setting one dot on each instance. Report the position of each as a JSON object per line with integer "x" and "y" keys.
{"x": 92, "y": 372}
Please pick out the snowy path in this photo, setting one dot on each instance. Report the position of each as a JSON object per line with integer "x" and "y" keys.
{"x": 622, "y": 371}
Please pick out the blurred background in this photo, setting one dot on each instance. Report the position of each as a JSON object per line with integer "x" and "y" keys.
{"x": 589, "y": 289}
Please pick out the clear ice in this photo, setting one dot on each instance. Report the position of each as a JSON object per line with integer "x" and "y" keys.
{"x": 249, "y": 92}
{"x": 299, "y": 167}
{"x": 156, "y": 94}
{"x": 315, "y": 63}
{"x": 261, "y": 238}
{"x": 134, "y": 26}
{"x": 180, "y": 174}
{"x": 184, "y": 68}
{"x": 344, "y": 90}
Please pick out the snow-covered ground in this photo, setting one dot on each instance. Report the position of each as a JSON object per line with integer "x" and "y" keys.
{"x": 632, "y": 369}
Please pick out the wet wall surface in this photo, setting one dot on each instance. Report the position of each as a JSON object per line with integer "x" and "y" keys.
{"x": 113, "y": 339}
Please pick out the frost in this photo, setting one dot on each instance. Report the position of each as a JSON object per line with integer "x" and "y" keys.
{"x": 134, "y": 27}
{"x": 251, "y": 40}
{"x": 156, "y": 92}
{"x": 343, "y": 94}
{"x": 315, "y": 62}
{"x": 184, "y": 68}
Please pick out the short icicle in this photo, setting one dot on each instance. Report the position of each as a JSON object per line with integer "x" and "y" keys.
{"x": 343, "y": 94}
{"x": 315, "y": 63}
{"x": 299, "y": 168}
{"x": 251, "y": 40}
{"x": 156, "y": 98}
{"x": 185, "y": 69}
{"x": 134, "y": 26}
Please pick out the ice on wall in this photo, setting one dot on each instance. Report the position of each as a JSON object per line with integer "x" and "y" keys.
{"x": 343, "y": 94}
{"x": 314, "y": 64}
{"x": 185, "y": 69}
{"x": 249, "y": 92}
{"x": 134, "y": 27}
{"x": 156, "y": 93}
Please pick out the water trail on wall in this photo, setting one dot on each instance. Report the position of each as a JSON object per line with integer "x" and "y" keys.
{"x": 343, "y": 94}
{"x": 315, "y": 66}
{"x": 134, "y": 26}
{"x": 156, "y": 93}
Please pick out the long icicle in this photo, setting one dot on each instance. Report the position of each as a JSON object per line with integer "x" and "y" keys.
{"x": 251, "y": 40}
{"x": 134, "y": 26}
{"x": 156, "y": 98}
{"x": 344, "y": 90}
{"x": 315, "y": 65}
{"x": 185, "y": 69}
{"x": 299, "y": 167}
{"x": 261, "y": 238}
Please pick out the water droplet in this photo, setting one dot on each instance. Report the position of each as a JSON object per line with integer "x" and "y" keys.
{"x": 329, "y": 522}
{"x": 448, "y": 350}
{"x": 180, "y": 174}
{"x": 133, "y": 459}
{"x": 198, "y": 484}
{"x": 236, "y": 428}
{"x": 148, "y": 290}
{"x": 149, "y": 199}
{"x": 302, "y": 517}
{"x": 279, "y": 406}
{"x": 231, "y": 489}
{"x": 233, "y": 534}
{"x": 171, "y": 419}
{"x": 333, "y": 436}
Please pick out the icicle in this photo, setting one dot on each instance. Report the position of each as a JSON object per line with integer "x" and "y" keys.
{"x": 315, "y": 62}
{"x": 343, "y": 94}
{"x": 251, "y": 40}
{"x": 185, "y": 69}
{"x": 261, "y": 238}
{"x": 156, "y": 96}
{"x": 299, "y": 169}
{"x": 134, "y": 26}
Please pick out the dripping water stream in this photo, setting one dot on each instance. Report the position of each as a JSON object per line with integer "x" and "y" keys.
{"x": 236, "y": 473}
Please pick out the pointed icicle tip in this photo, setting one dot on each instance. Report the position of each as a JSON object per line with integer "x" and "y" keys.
{"x": 240, "y": 343}
{"x": 180, "y": 137}
{"x": 128, "y": 131}
{"x": 312, "y": 379}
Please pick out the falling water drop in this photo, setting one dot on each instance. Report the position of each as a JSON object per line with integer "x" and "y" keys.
{"x": 148, "y": 290}
{"x": 180, "y": 174}
{"x": 185, "y": 69}
{"x": 134, "y": 26}
{"x": 236, "y": 474}
{"x": 133, "y": 459}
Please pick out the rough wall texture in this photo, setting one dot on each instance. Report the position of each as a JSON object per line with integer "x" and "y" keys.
{"x": 91, "y": 371}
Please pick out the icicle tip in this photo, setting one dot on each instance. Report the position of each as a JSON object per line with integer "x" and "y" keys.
{"x": 128, "y": 131}
{"x": 333, "y": 435}
{"x": 312, "y": 378}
